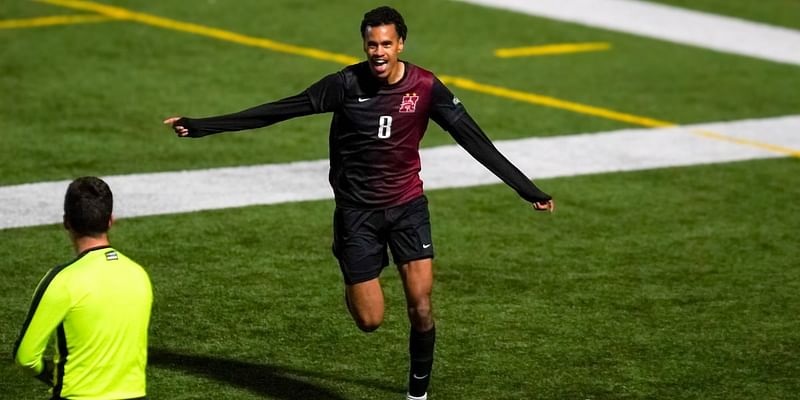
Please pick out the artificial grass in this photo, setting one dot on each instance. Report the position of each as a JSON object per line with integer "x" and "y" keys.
{"x": 673, "y": 283}
{"x": 88, "y": 99}
{"x": 677, "y": 283}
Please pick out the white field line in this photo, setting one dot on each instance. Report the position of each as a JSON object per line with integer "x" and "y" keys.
{"x": 443, "y": 167}
{"x": 695, "y": 28}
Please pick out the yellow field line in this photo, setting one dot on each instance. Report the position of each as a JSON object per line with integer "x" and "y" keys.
{"x": 552, "y": 102}
{"x": 747, "y": 142}
{"x": 551, "y": 49}
{"x": 463, "y": 83}
{"x": 121, "y": 13}
{"x": 53, "y": 20}
{"x": 532, "y": 98}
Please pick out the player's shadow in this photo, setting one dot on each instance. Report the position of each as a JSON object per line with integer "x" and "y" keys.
{"x": 265, "y": 379}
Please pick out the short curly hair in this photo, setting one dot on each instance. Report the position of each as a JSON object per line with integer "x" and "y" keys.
{"x": 384, "y": 15}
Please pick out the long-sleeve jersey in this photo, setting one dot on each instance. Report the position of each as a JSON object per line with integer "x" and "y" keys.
{"x": 98, "y": 306}
{"x": 376, "y": 131}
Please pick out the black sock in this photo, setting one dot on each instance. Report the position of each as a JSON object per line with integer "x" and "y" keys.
{"x": 420, "y": 348}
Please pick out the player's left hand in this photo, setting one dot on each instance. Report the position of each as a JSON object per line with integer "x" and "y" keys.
{"x": 548, "y": 205}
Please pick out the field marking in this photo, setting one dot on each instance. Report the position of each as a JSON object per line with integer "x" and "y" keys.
{"x": 550, "y": 49}
{"x": 467, "y": 84}
{"x": 52, "y": 20}
{"x": 463, "y": 83}
{"x": 443, "y": 167}
{"x": 552, "y": 102}
{"x": 669, "y": 23}
{"x": 167, "y": 23}
{"x": 748, "y": 142}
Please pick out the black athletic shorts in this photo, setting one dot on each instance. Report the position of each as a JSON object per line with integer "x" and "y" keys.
{"x": 360, "y": 238}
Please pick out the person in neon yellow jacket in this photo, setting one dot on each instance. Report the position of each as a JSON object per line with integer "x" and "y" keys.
{"x": 95, "y": 307}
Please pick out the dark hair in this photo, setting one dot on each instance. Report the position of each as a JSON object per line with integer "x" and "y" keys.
{"x": 384, "y": 15}
{"x": 87, "y": 206}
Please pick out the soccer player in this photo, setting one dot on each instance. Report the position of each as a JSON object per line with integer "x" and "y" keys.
{"x": 96, "y": 307}
{"x": 381, "y": 109}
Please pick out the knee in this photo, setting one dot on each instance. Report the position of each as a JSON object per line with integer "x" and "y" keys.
{"x": 368, "y": 321}
{"x": 368, "y": 324}
{"x": 421, "y": 316}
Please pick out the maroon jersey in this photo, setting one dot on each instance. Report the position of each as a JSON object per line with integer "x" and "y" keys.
{"x": 375, "y": 133}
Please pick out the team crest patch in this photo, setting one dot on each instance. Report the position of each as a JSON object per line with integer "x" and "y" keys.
{"x": 409, "y": 104}
{"x": 111, "y": 255}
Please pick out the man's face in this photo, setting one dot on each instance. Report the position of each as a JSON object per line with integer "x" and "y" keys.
{"x": 382, "y": 46}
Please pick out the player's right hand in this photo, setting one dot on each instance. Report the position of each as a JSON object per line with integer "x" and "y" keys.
{"x": 548, "y": 205}
{"x": 179, "y": 130}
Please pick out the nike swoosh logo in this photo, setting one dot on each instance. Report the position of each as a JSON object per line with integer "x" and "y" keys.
{"x": 425, "y": 246}
{"x": 420, "y": 377}
{"x": 361, "y": 99}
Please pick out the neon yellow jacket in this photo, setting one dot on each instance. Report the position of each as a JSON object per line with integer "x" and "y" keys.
{"x": 97, "y": 307}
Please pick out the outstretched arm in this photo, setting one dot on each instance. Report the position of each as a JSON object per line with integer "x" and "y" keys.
{"x": 255, "y": 117}
{"x": 323, "y": 96}
{"x": 452, "y": 117}
{"x": 470, "y": 136}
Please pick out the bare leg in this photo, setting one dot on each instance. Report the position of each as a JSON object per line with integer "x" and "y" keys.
{"x": 417, "y": 279}
{"x": 365, "y": 303}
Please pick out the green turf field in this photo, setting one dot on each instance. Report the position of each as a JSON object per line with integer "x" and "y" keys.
{"x": 680, "y": 283}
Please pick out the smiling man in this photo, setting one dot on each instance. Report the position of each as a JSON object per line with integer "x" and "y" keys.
{"x": 381, "y": 108}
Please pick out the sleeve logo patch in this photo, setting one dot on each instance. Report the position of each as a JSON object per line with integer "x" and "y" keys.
{"x": 409, "y": 103}
{"x": 111, "y": 255}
